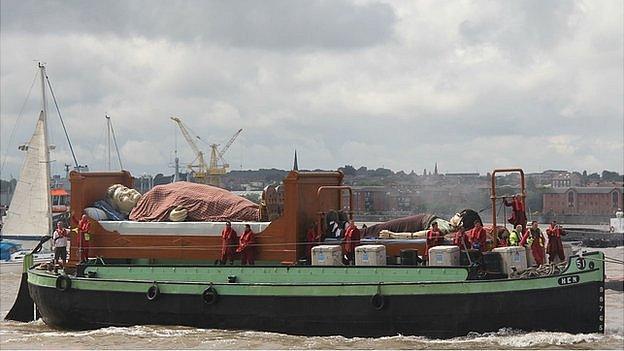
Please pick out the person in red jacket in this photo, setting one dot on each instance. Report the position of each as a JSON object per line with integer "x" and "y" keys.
{"x": 228, "y": 243}
{"x": 518, "y": 214}
{"x": 245, "y": 246}
{"x": 83, "y": 238}
{"x": 555, "y": 246}
{"x": 503, "y": 239}
{"x": 461, "y": 239}
{"x": 534, "y": 238}
{"x": 350, "y": 241}
{"x": 434, "y": 238}
{"x": 477, "y": 237}
{"x": 312, "y": 238}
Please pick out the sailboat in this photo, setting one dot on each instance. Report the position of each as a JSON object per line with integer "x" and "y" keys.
{"x": 29, "y": 216}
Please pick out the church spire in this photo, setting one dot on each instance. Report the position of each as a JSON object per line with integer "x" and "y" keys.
{"x": 435, "y": 170}
{"x": 295, "y": 163}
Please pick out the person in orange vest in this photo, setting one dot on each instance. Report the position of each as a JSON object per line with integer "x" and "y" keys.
{"x": 518, "y": 214}
{"x": 434, "y": 238}
{"x": 84, "y": 225}
{"x": 229, "y": 242}
{"x": 534, "y": 238}
{"x": 460, "y": 239}
{"x": 477, "y": 237}
{"x": 350, "y": 241}
{"x": 555, "y": 246}
{"x": 245, "y": 246}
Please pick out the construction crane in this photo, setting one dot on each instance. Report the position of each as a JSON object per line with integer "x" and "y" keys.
{"x": 199, "y": 169}
{"x": 218, "y": 166}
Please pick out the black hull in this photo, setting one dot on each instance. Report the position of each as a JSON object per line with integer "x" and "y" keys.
{"x": 574, "y": 309}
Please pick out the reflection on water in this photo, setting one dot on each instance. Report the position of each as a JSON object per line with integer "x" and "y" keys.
{"x": 37, "y": 335}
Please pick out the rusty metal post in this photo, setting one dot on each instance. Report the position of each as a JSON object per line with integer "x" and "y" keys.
{"x": 493, "y": 196}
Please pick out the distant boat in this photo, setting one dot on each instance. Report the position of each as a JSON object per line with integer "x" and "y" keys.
{"x": 29, "y": 216}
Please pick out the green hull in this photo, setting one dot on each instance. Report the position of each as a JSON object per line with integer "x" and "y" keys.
{"x": 377, "y": 294}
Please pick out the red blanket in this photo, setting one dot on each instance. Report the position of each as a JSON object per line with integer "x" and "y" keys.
{"x": 203, "y": 202}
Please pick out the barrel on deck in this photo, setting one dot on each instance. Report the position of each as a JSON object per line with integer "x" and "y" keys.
{"x": 475, "y": 257}
{"x": 492, "y": 262}
{"x": 409, "y": 257}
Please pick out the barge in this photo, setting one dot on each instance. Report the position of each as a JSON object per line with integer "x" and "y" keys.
{"x": 150, "y": 275}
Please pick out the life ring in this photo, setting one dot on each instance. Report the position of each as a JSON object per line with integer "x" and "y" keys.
{"x": 210, "y": 295}
{"x": 63, "y": 283}
{"x": 378, "y": 301}
{"x": 153, "y": 292}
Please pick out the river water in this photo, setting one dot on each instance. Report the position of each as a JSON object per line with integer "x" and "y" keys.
{"x": 37, "y": 335}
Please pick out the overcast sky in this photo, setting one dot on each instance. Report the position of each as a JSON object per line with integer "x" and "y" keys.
{"x": 472, "y": 85}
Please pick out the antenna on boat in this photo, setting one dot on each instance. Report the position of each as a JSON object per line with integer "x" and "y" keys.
{"x": 58, "y": 110}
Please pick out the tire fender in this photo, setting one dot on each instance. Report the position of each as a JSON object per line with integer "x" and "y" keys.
{"x": 63, "y": 283}
{"x": 378, "y": 301}
{"x": 152, "y": 293}
{"x": 210, "y": 295}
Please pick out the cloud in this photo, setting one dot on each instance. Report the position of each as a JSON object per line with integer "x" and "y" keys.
{"x": 403, "y": 85}
{"x": 279, "y": 24}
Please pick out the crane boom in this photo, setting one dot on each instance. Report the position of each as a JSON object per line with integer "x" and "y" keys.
{"x": 198, "y": 153}
{"x": 229, "y": 143}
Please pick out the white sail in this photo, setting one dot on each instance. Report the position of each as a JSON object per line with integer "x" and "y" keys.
{"x": 29, "y": 213}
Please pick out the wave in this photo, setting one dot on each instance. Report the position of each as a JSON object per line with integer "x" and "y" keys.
{"x": 35, "y": 334}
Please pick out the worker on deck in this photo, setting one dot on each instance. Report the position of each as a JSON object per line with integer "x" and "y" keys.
{"x": 503, "y": 238}
{"x": 515, "y": 235}
{"x": 434, "y": 238}
{"x": 534, "y": 239}
{"x": 245, "y": 246}
{"x": 518, "y": 214}
{"x": 229, "y": 242}
{"x": 84, "y": 225}
{"x": 555, "y": 246}
{"x": 312, "y": 238}
{"x": 477, "y": 237}
{"x": 461, "y": 239}
{"x": 350, "y": 241}
{"x": 59, "y": 241}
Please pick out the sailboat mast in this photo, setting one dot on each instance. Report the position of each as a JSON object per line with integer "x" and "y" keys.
{"x": 46, "y": 144}
{"x": 108, "y": 141}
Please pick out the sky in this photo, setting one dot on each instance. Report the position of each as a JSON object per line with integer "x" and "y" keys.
{"x": 471, "y": 85}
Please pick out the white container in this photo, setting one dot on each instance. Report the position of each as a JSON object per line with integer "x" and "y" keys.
{"x": 444, "y": 255}
{"x": 512, "y": 256}
{"x": 370, "y": 255}
{"x": 327, "y": 255}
